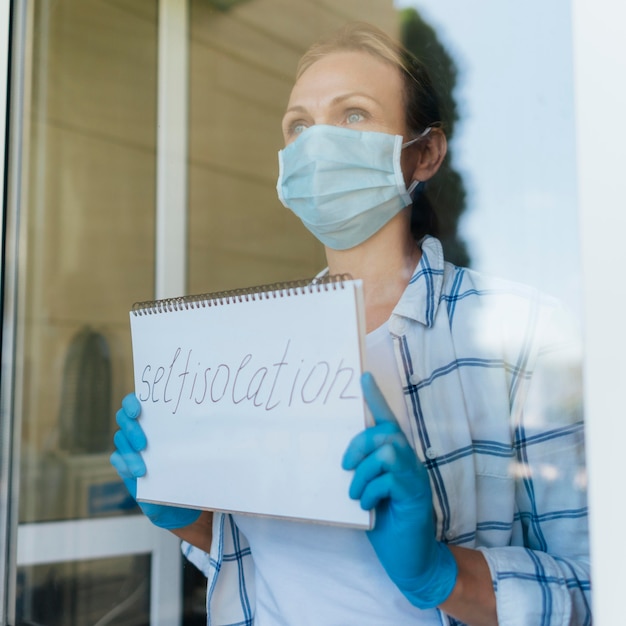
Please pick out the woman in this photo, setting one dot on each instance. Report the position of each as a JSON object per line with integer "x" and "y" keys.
{"x": 475, "y": 464}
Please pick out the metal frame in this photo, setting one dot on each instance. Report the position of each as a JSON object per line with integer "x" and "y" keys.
{"x": 600, "y": 64}
{"x": 12, "y": 32}
{"x": 172, "y": 158}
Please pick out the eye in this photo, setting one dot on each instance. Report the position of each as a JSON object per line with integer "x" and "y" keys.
{"x": 297, "y": 128}
{"x": 354, "y": 117}
{"x": 293, "y": 129}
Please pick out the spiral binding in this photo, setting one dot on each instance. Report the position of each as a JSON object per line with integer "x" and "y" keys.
{"x": 244, "y": 294}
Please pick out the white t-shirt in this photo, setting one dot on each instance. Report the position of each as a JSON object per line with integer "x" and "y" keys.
{"x": 324, "y": 575}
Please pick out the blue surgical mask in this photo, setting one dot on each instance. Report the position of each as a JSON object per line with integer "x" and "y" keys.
{"x": 343, "y": 184}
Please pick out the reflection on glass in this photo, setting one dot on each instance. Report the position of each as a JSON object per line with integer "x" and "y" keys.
{"x": 89, "y": 212}
{"x": 505, "y": 171}
{"x": 446, "y": 191}
{"x": 89, "y": 215}
{"x": 513, "y": 142}
{"x": 98, "y": 592}
{"x": 87, "y": 235}
{"x": 242, "y": 65}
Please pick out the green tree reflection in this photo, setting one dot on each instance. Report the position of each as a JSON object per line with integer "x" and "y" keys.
{"x": 446, "y": 191}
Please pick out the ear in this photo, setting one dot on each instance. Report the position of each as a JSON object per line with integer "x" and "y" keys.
{"x": 429, "y": 155}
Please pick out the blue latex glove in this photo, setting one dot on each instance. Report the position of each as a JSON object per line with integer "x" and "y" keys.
{"x": 129, "y": 441}
{"x": 389, "y": 476}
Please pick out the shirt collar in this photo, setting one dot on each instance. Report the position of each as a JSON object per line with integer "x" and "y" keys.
{"x": 421, "y": 297}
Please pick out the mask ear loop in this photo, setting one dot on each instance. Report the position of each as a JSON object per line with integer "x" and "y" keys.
{"x": 420, "y": 136}
{"x": 415, "y": 183}
{"x": 413, "y": 188}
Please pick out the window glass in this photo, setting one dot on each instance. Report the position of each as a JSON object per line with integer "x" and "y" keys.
{"x": 89, "y": 216}
{"x": 243, "y": 58}
{"x": 508, "y": 72}
{"x": 102, "y": 591}
{"x": 87, "y": 243}
{"x": 506, "y": 192}
{"x": 505, "y": 199}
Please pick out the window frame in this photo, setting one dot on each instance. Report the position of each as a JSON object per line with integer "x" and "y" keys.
{"x": 39, "y": 543}
{"x": 599, "y": 53}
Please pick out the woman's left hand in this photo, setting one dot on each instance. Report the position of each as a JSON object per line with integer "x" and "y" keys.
{"x": 389, "y": 477}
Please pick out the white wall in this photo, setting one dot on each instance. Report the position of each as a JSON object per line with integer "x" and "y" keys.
{"x": 600, "y": 67}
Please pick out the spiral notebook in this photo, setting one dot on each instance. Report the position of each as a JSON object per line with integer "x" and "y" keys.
{"x": 250, "y": 398}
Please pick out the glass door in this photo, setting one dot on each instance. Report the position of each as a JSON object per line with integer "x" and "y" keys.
{"x": 242, "y": 63}
{"x": 84, "y": 222}
{"x": 103, "y": 211}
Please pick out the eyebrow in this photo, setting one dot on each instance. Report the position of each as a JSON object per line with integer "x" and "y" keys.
{"x": 353, "y": 94}
{"x": 297, "y": 108}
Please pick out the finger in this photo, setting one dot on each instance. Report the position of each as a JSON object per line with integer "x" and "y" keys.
{"x": 131, "y": 485}
{"x": 405, "y": 485}
{"x": 384, "y": 459}
{"x": 131, "y": 429}
{"x": 369, "y": 440}
{"x": 376, "y": 491}
{"x": 131, "y": 405}
{"x": 399, "y": 489}
{"x": 118, "y": 462}
{"x": 375, "y": 400}
{"x": 132, "y": 459}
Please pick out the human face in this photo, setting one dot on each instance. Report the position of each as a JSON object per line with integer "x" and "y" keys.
{"x": 348, "y": 88}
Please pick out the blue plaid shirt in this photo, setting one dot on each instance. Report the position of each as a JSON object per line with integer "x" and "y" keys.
{"x": 492, "y": 380}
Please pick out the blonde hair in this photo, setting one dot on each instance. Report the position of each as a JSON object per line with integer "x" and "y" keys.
{"x": 354, "y": 36}
{"x": 421, "y": 100}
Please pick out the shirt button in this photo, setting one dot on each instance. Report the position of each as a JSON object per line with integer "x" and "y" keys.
{"x": 414, "y": 379}
{"x": 450, "y": 534}
{"x": 431, "y": 453}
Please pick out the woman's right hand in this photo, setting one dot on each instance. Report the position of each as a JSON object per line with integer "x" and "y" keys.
{"x": 129, "y": 441}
